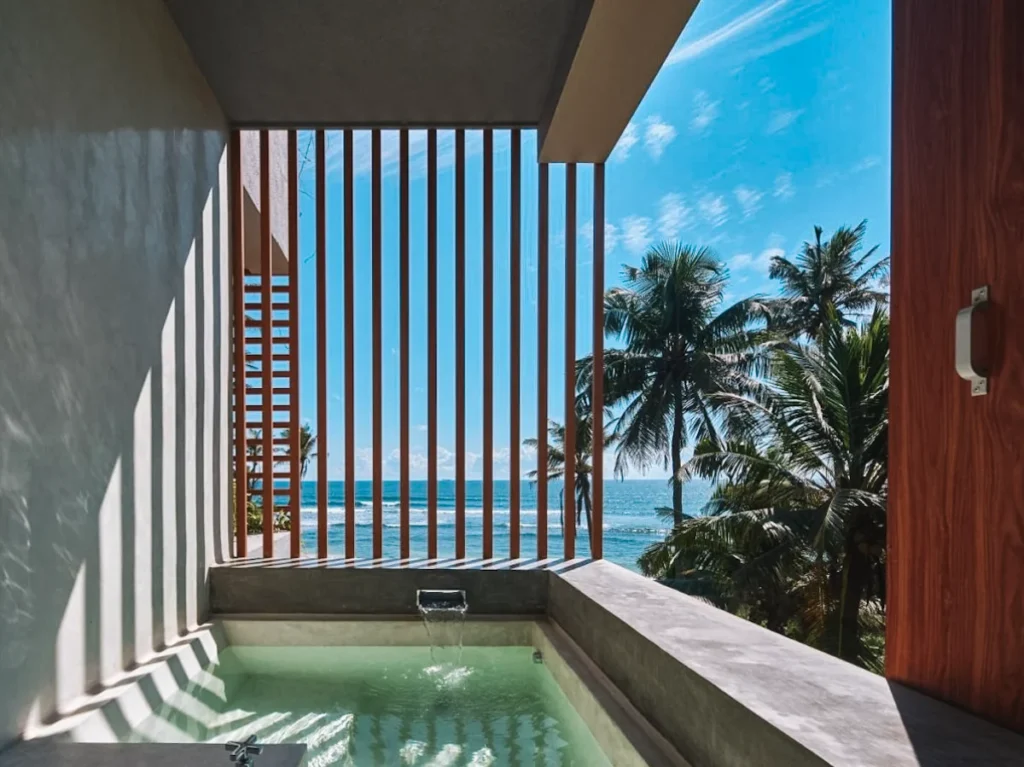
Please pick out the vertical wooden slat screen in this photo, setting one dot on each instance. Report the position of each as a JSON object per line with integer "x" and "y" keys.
{"x": 378, "y": 426}
{"x": 275, "y": 378}
{"x": 241, "y": 494}
{"x": 569, "y": 477}
{"x": 321, "y": 344}
{"x": 432, "y": 344}
{"x": 294, "y": 453}
{"x": 460, "y": 344}
{"x": 488, "y": 329}
{"x": 350, "y": 344}
{"x": 597, "y": 394}
{"x": 542, "y": 360}
{"x": 266, "y": 360}
{"x": 514, "y": 486}
{"x": 403, "y": 248}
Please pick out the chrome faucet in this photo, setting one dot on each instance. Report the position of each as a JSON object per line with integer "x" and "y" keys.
{"x": 242, "y": 752}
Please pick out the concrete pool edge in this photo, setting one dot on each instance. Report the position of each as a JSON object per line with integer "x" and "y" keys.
{"x": 104, "y": 715}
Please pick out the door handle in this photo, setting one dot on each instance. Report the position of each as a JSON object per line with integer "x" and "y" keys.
{"x": 971, "y": 364}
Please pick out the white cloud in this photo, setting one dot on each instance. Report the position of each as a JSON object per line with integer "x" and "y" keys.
{"x": 611, "y": 235}
{"x": 673, "y": 216}
{"x": 705, "y": 112}
{"x": 866, "y": 164}
{"x": 783, "y": 186}
{"x": 785, "y": 41}
{"x": 749, "y": 200}
{"x": 713, "y": 209}
{"x": 766, "y": 84}
{"x": 658, "y": 135}
{"x": 782, "y": 119}
{"x": 636, "y": 234}
{"x": 737, "y": 26}
{"x": 625, "y": 143}
{"x": 759, "y": 263}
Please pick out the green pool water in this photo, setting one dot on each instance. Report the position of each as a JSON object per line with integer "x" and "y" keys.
{"x": 370, "y": 706}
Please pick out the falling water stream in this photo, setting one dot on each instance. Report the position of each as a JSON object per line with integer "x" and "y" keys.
{"x": 444, "y": 617}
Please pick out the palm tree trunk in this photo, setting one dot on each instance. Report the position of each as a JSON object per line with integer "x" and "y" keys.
{"x": 677, "y": 455}
{"x": 588, "y": 505}
{"x": 856, "y": 572}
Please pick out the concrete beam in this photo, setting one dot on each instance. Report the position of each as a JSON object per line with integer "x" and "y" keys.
{"x": 623, "y": 45}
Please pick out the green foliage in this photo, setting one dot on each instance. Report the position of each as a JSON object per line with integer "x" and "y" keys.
{"x": 682, "y": 348}
{"x": 827, "y": 278}
{"x": 794, "y": 535}
{"x": 785, "y": 404}
{"x": 583, "y": 451}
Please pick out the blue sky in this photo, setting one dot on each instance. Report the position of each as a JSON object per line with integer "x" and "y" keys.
{"x": 767, "y": 118}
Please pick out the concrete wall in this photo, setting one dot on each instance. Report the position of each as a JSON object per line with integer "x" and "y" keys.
{"x": 318, "y": 590}
{"x": 114, "y": 345}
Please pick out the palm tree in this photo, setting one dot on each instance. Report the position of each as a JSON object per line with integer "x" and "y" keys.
{"x": 679, "y": 352}
{"x": 307, "y": 447}
{"x": 584, "y": 445}
{"x": 794, "y": 536}
{"x": 828, "y": 277}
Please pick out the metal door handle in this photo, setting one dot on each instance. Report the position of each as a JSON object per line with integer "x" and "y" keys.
{"x": 968, "y": 365}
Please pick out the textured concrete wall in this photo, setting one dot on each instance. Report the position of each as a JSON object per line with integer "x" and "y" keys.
{"x": 114, "y": 345}
{"x": 278, "y": 176}
{"x": 320, "y": 590}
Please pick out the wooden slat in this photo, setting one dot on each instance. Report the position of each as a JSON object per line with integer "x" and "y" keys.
{"x": 378, "y": 421}
{"x": 403, "y": 405}
{"x": 432, "y": 344}
{"x": 488, "y": 328}
{"x": 256, "y": 306}
{"x": 295, "y": 485}
{"x": 276, "y": 441}
{"x": 460, "y": 343}
{"x": 254, "y": 391}
{"x": 321, "y": 344}
{"x": 273, "y": 357}
{"x": 514, "y": 340}
{"x": 265, "y": 285}
{"x": 542, "y": 360}
{"x": 273, "y": 373}
{"x": 252, "y": 322}
{"x": 238, "y": 288}
{"x": 279, "y": 289}
{"x": 350, "y": 343}
{"x": 597, "y": 394}
{"x": 569, "y": 478}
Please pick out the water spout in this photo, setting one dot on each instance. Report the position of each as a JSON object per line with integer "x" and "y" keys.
{"x": 444, "y": 617}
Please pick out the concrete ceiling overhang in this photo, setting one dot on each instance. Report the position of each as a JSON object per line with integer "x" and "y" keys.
{"x": 575, "y": 69}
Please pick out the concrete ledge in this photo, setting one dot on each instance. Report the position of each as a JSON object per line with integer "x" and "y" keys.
{"x": 626, "y": 737}
{"x": 726, "y": 692}
{"x": 53, "y": 754}
{"x": 343, "y": 631}
{"x": 300, "y": 589}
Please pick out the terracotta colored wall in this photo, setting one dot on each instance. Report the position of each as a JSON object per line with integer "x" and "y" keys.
{"x": 956, "y": 534}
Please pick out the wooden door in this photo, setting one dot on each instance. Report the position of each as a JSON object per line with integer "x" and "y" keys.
{"x": 956, "y": 519}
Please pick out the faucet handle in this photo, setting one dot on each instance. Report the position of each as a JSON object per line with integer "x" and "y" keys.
{"x": 243, "y": 751}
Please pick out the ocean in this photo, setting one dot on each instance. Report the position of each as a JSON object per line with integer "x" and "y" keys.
{"x": 631, "y": 521}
